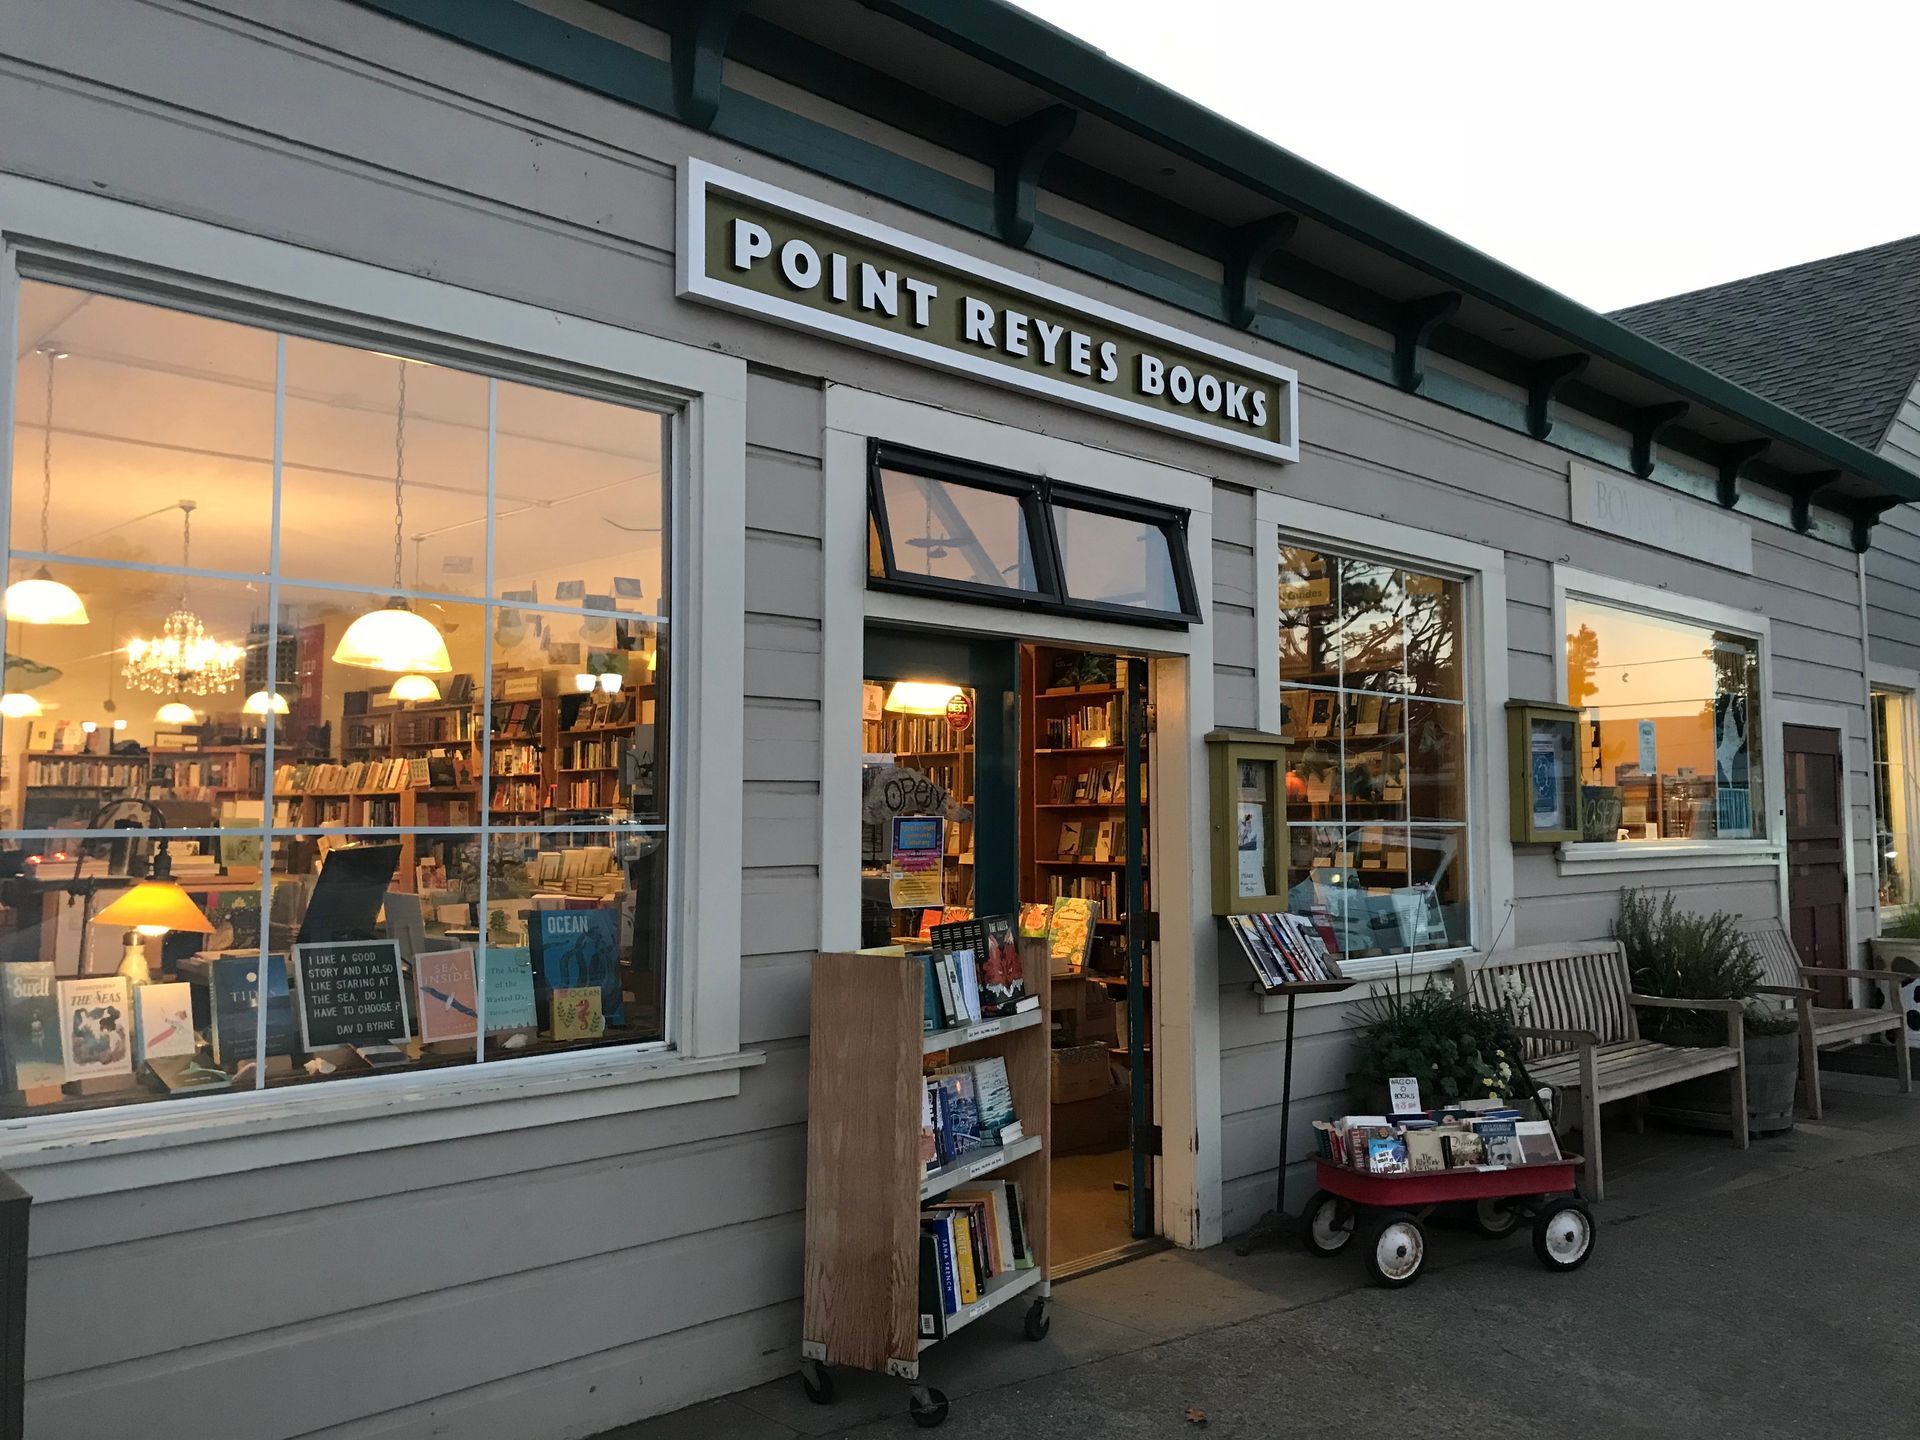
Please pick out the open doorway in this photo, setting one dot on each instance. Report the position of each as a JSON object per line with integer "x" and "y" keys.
{"x": 1035, "y": 758}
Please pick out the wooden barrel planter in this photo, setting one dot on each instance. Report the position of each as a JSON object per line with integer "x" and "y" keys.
{"x": 1773, "y": 1071}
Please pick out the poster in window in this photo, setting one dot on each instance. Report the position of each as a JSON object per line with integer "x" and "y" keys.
{"x": 1732, "y": 768}
{"x": 914, "y": 874}
{"x": 1547, "y": 767}
{"x": 1250, "y": 839}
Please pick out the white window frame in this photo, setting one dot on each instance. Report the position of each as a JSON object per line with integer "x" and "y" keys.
{"x": 1905, "y": 683}
{"x": 1282, "y": 520}
{"x": 1604, "y": 857}
{"x": 86, "y": 1153}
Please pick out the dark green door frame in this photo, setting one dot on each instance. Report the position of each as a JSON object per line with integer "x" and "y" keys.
{"x": 989, "y": 667}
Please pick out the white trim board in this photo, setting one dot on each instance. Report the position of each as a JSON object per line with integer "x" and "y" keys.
{"x": 1186, "y": 1016}
{"x": 271, "y": 283}
{"x": 1280, "y": 519}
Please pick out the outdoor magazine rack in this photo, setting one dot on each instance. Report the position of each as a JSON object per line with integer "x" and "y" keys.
{"x": 1389, "y": 1211}
{"x": 866, "y": 1182}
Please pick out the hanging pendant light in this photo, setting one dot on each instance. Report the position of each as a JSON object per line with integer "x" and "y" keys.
{"x": 393, "y": 637}
{"x": 19, "y": 705}
{"x": 920, "y": 697}
{"x": 414, "y": 687}
{"x": 40, "y": 599}
{"x": 262, "y": 703}
{"x": 175, "y": 712}
{"x": 183, "y": 659}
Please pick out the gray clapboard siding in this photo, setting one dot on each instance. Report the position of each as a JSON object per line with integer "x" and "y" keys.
{"x": 361, "y": 1254}
{"x": 776, "y": 995}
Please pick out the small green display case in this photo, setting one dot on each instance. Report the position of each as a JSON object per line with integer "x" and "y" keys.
{"x": 1247, "y": 777}
{"x": 1543, "y": 761}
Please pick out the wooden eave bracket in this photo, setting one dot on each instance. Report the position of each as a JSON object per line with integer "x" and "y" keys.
{"x": 699, "y": 57}
{"x": 1414, "y": 325}
{"x": 1804, "y": 490}
{"x": 1025, "y": 148}
{"x": 1649, "y": 424}
{"x": 1544, "y": 386}
{"x": 1735, "y": 460}
{"x": 1249, "y": 248}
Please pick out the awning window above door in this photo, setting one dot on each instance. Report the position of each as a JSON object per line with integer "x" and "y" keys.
{"x": 950, "y": 528}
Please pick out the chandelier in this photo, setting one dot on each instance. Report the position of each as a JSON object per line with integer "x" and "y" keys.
{"x": 182, "y": 659}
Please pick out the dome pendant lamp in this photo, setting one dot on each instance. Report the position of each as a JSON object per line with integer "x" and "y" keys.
{"x": 40, "y": 599}
{"x": 393, "y": 638}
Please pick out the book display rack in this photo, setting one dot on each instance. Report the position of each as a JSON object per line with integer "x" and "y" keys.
{"x": 870, "y": 1189}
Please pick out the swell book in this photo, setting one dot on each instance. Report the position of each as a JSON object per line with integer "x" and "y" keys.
{"x": 573, "y": 948}
{"x": 30, "y": 1018}
{"x": 96, "y": 1027}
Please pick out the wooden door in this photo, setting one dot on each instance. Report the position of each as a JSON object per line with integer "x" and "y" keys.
{"x": 1817, "y": 852}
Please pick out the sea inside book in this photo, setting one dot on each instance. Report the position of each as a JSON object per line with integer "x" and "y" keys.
{"x": 446, "y": 990}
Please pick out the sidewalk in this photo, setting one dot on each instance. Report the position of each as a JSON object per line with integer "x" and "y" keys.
{"x": 1762, "y": 1293}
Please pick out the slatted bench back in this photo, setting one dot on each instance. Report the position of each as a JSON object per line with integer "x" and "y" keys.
{"x": 1581, "y": 986}
{"x": 1773, "y": 947}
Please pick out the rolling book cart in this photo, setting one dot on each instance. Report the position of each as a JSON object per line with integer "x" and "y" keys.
{"x": 866, "y": 1182}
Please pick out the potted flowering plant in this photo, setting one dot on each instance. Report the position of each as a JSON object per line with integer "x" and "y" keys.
{"x": 1456, "y": 1048}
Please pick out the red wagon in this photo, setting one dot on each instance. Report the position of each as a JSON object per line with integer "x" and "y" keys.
{"x": 1387, "y": 1212}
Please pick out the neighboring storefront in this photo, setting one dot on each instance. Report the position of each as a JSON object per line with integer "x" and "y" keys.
{"x": 587, "y": 459}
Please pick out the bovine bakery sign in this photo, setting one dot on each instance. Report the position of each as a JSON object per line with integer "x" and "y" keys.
{"x": 755, "y": 248}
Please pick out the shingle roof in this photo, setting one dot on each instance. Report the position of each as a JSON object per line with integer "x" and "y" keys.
{"x": 1837, "y": 340}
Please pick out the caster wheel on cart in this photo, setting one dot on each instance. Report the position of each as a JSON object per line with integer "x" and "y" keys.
{"x": 928, "y": 1408}
{"x": 1396, "y": 1249}
{"x": 1563, "y": 1234}
{"x": 1327, "y": 1225}
{"x": 1039, "y": 1321}
{"x": 1496, "y": 1219}
{"x": 817, "y": 1381}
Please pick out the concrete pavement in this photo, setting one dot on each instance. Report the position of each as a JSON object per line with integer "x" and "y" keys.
{"x": 1757, "y": 1294}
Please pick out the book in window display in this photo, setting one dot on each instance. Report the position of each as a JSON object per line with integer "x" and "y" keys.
{"x": 30, "y": 1020}
{"x": 576, "y": 948}
{"x": 96, "y": 1028}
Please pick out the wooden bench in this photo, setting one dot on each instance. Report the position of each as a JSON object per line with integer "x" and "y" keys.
{"x": 1820, "y": 1025}
{"x": 1582, "y": 1034}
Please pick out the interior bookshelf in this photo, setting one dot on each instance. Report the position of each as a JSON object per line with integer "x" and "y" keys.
{"x": 58, "y": 789}
{"x": 1073, "y": 773}
{"x": 945, "y": 755}
{"x": 867, "y": 1183}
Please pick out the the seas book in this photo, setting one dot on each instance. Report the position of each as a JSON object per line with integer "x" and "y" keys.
{"x": 96, "y": 1027}
{"x": 572, "y": 948}
{"x": 30, "y": 1018}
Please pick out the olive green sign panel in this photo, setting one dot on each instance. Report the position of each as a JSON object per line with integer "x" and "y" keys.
{"x": 764, "y": 251}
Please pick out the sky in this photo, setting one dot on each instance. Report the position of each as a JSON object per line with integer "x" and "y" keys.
{"x": 1618, "y": 152}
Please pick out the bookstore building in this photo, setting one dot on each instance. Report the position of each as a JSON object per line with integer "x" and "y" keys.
{"x": 487, "y": 649}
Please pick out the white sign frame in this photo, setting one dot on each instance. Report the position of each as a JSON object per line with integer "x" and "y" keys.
{"x": 1651, "y": 514}
{"x": 694, "y": 283}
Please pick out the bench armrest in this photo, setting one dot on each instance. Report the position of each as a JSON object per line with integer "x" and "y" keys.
{"x": 1827, "y": 972}
{"x": 1798, "y": 992}
{"x": 1665, "y": 1003}
{"x": 1577, "y": 1037}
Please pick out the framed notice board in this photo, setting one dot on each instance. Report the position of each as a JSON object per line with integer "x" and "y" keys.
{"x": 1544, "y": 764}
{"x": 1247, "y": 774}
{"x": 351, "y": 993}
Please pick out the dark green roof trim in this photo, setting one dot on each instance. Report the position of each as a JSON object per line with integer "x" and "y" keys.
{"x": 1733, "y": 465}
{"x": 527, "y": 37}
{"x": 1014, "y": 41}
{"x": 1025, "y": 148}
{"x": 1647, "y": 427}
{"x": 1412, "y": 328}
{"x": 700, "y": 34}
{"x": 1544, "y": 384}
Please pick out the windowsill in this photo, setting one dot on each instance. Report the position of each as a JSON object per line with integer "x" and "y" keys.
{"x": 1608, "y": 857}
{"x": 1367, "y": 973}
{"x": 62, "y": 1157}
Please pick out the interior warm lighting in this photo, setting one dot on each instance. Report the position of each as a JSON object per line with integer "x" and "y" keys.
{"x": 175, "y": 712}
{"x": 414, "y": 687}
{"x": 87, "y": 727}
{"x": 18, "y": 705}
{"x": 183, "y": 659}
{"x": 394, "y": 639}
{"x": 42, "y": 600}
{"x": 261, "y": 703}
{"x": 153, "y": 907}
{"x": 584, "y": 682}
{"x": 119, "y": 724}
{"x": 611, "y": 681}
{"x": 918, "y": 697}
{"x": 653, "y": 660}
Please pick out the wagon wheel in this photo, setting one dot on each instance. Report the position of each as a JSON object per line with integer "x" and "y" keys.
{"x": 1563, "y": 1234}
{"x": 1327, "y": 1225}
{"x": 1497, "y": 1218}
{"x": 1398, "y": 1248}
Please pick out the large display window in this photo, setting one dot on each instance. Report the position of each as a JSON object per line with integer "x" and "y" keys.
{"x": 332, "y": 672}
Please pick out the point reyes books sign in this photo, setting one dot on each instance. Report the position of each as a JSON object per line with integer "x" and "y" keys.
{"x": 755, "y": 248}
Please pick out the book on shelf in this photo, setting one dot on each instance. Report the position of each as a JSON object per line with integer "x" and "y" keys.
{"x": 961, "y": 1112}
{"x": 993, "y": 1095}
{"x": 1002, "y": 982}
{"x": 971, "y": 1236}
{"x": 1069, "y": 846}
{"x": 30, "y": 1023}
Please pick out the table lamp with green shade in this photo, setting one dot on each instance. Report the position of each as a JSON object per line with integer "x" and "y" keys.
{"x": 152, "y": 907}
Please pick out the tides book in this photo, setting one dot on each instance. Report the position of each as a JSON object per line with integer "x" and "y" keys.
{"x": 235, "y": 987}
{"x": 30, "y": 1025}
